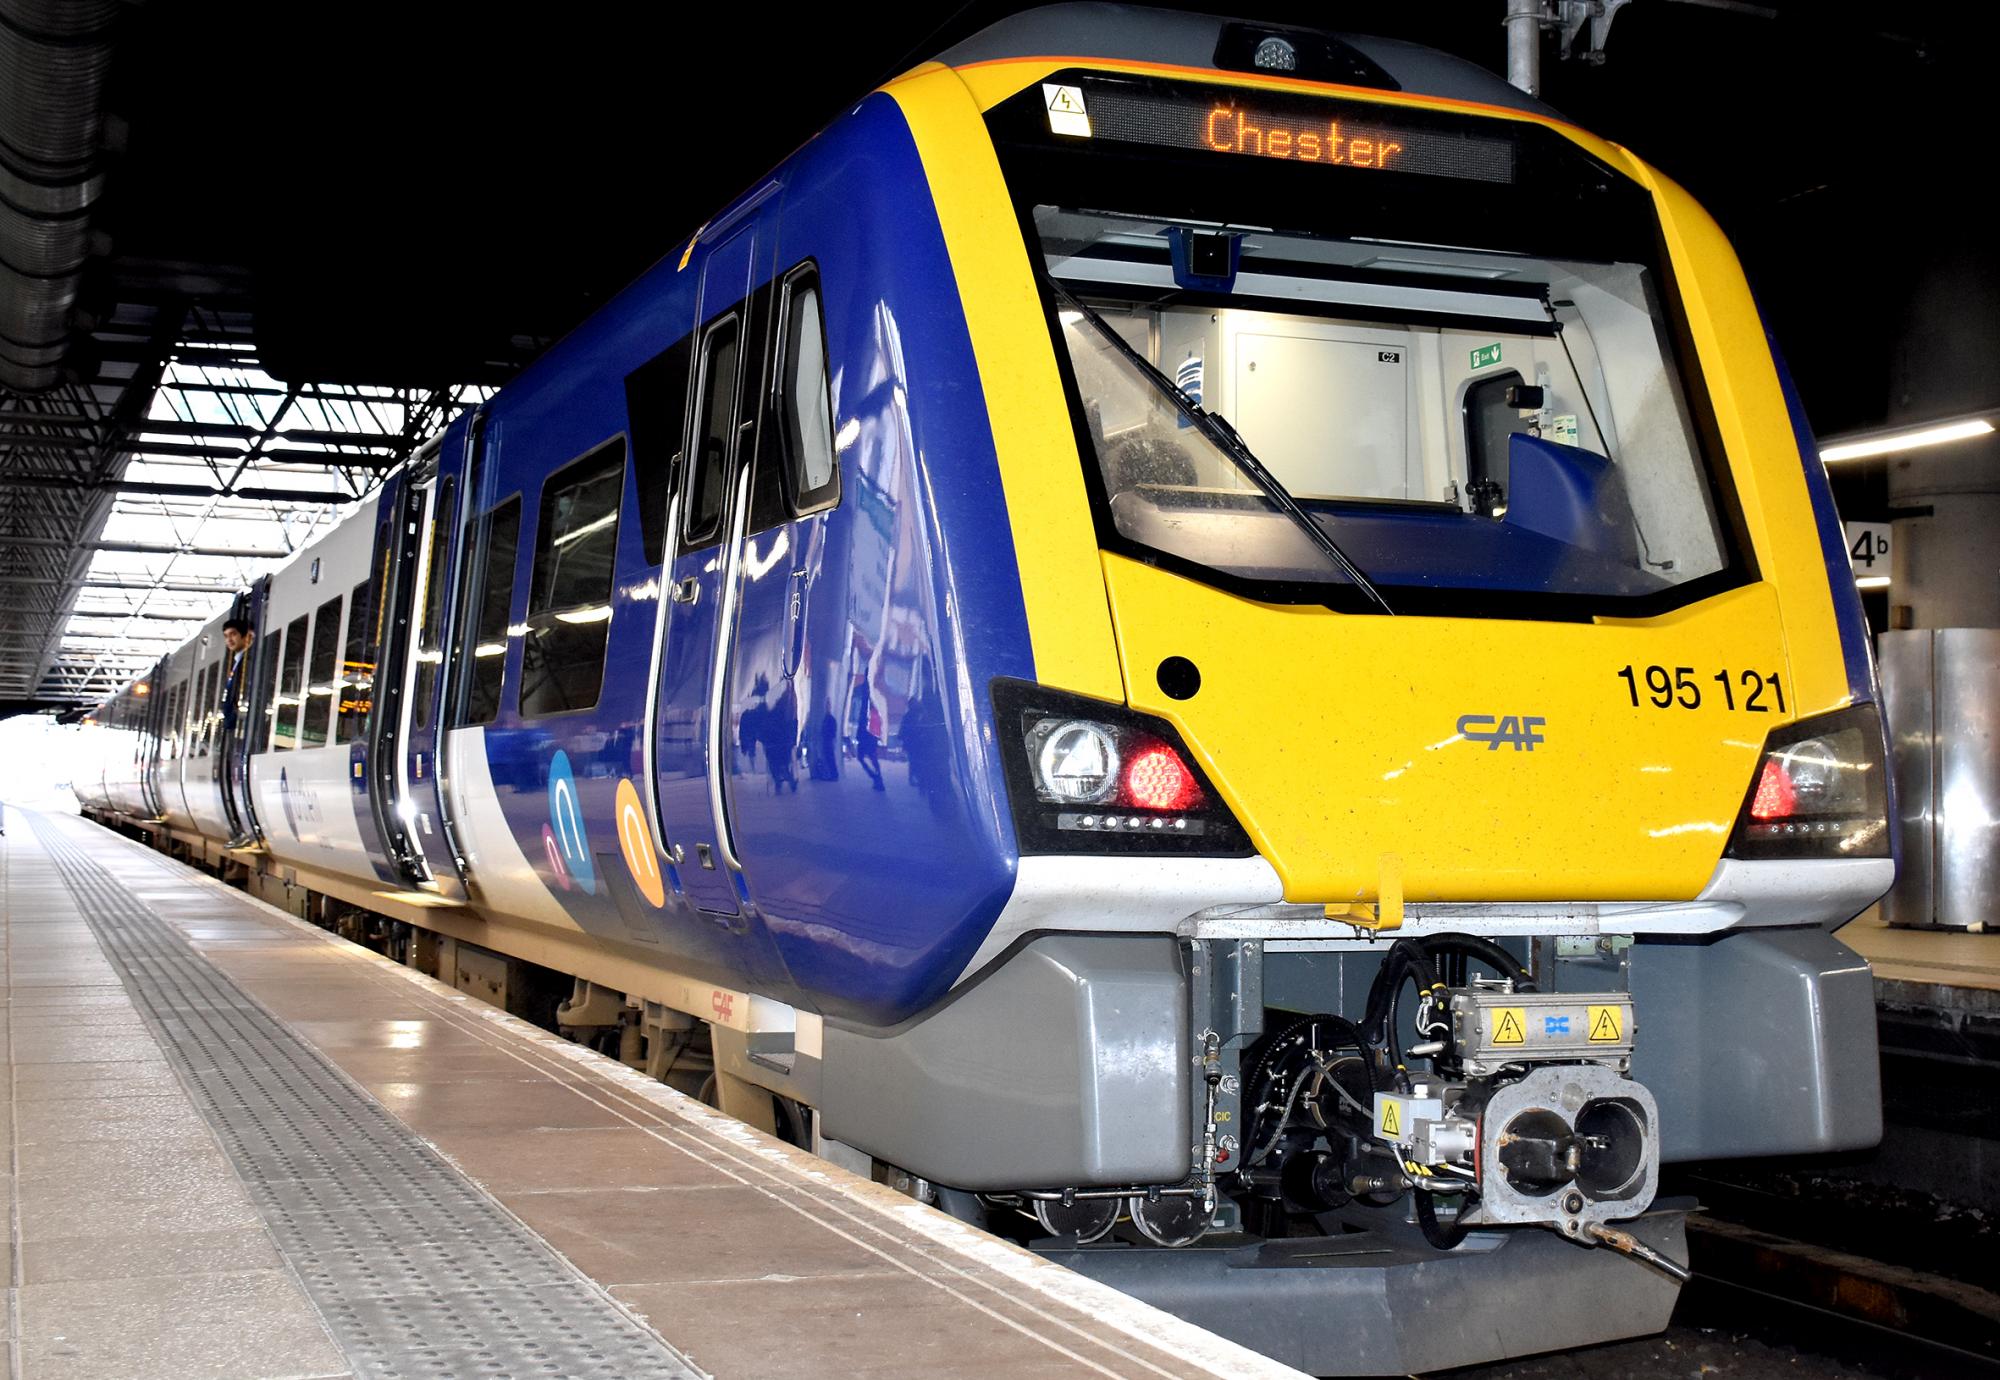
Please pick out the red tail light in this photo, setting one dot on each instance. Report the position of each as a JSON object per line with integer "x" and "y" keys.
{"x": 1776, "y": 796}
{"x": 1089, "y": 776}
{"x": 1157, "y": 779}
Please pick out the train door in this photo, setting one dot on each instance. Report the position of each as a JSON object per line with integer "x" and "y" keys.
{"x": 155, "y": 736}
{"x": 789, "y": 715}
{"x": 691, "y": 747}
{"x": 173, "y": 796}
{"x": 427, "y": 804}
{"x": 375, "y": 675}
{"x": 244, "y": 714}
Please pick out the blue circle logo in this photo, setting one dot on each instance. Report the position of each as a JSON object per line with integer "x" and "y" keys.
{"x": 568, "y": 847}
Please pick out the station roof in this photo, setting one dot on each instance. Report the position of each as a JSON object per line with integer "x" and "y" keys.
{"x": 305, "y": 243}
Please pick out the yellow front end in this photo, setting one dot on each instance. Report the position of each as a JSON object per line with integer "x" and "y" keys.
{"x": 1451, "y": 758}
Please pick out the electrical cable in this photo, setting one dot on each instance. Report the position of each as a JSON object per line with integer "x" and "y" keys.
{"x": 1436, "y": 1232}
{"x": 1302, "y": 1033}
{"x": 1482, "y": 949}
{"x": 1631, "y": 1245}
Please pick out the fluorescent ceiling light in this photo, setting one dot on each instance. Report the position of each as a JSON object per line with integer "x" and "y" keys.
{"x": 1871, "y": 582}
{"x": 1905, "y": 438}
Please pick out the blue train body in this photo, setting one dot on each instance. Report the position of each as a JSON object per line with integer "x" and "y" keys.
{"x": 853, "y": 898}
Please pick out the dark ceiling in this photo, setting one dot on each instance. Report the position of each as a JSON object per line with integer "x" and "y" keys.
{"x": 419, "y": 193}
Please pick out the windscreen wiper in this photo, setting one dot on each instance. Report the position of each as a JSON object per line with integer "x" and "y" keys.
{"x": 1225, "y": 436}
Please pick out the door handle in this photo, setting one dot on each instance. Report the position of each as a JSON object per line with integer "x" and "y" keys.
{"x": 686, "y": 591}
{"x": 795, "y": 614}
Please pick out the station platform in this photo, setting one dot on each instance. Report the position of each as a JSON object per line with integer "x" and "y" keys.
{"x": 243, "y": 1147}
{"x": 1925, "y": 958}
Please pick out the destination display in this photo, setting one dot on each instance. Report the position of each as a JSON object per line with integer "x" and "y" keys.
{"x": 1325, "y": 133}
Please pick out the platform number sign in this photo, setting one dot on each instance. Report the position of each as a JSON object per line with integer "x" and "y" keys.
{"x": 1868, "y": 547}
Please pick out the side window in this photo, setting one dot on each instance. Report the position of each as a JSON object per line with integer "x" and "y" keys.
{"x": 707, "y": 473}
{"x": 357, "y": 667}
{"x": 656, "y": 406}
{"x": 291, "y": 686}
{"x": 204, "y": 710}
{"x": 174, "y": 697}
{"x": 498, "y": 537}
{"x": 812, "y": 470}
{"x": 318, "y": 715}
{"x": 569, "y": 598}
{"x": 430, "y": 636}
{"x": 267, "y": 677}
{"x": 213, "y": 724}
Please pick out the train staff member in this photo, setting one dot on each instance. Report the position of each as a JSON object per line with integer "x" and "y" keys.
{"x": 237, "y": 635}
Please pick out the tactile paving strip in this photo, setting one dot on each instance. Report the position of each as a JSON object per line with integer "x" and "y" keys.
{"x": 415, "y": 1269}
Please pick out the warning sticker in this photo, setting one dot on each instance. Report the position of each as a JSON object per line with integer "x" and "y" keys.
{"x": 1510, "y": 1025}
{"x": 1066, "y": 112}
{"x": 1607, "y": 1024}
{"x": 1389, "y": 1120}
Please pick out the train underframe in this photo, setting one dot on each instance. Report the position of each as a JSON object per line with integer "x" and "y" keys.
{"x": 1367, "y": 1155}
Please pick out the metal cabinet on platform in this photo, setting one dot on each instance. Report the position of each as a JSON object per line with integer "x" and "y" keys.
{"x": 1941, "y": 690}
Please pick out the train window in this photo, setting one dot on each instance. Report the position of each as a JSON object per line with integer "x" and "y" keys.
{"x": 357, "y": 667}
{"x": 265, "y": 683}
{"x": 707, "y": 475}
{"x": 656, "y": 404}
{"x": 291, "y": 686}
{"x": 569, "y": 596}
{"x": 768, "y": 506}
{"x": 218, "y": 679}
{"x": 1333, "y": 349}
{"x": 174, "y": 697}
{"x": 498, "y": 538}
{"x": 317, "y": 716}
{"x": 812, "y": 472}
{"x": 190, "y": 714}
{"x": 204, "y": 724}
{"x": 1538, "y": 445}
{"x": 212, "y": 726}
{"x": 430, "y": 636}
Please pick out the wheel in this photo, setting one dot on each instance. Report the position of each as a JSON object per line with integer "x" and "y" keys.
{"x": 1087, "y": 1219}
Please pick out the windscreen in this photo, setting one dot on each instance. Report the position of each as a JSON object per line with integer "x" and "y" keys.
{"x": 1495, "y": 410}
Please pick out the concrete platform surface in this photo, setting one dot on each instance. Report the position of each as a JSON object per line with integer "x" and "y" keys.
{"x": 449, "y": 1191}
{"x": 1939, "y": 958}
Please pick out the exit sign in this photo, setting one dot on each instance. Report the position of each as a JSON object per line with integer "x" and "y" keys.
{"x": 1486, "y": 355}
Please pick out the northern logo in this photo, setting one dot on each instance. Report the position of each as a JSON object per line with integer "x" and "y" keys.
{"x": 1520, "y": 730}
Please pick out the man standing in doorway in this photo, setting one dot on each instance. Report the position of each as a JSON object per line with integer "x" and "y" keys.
{"x": 237, "y": 636}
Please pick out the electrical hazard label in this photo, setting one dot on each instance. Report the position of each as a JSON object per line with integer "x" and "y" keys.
{"x": 1389, "y": 1120}
{"x": 1607, "y": 1024}
{"x": 1510, "y": 1025}
{"x": 1067, "y": 114}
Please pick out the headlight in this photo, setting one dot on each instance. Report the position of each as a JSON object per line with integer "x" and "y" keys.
{"x": 1075, "y": 760}
{"x": 1090, "y": 777}
{"x": 1820, "y": 791}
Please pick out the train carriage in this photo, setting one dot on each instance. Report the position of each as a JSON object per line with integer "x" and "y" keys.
{"x": 1220, "y": 647}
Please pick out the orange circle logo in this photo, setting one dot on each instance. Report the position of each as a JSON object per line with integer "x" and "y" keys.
{"x": 635, "y": 840}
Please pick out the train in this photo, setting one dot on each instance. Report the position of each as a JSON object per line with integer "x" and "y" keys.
{"x": 1220, "y": 648}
